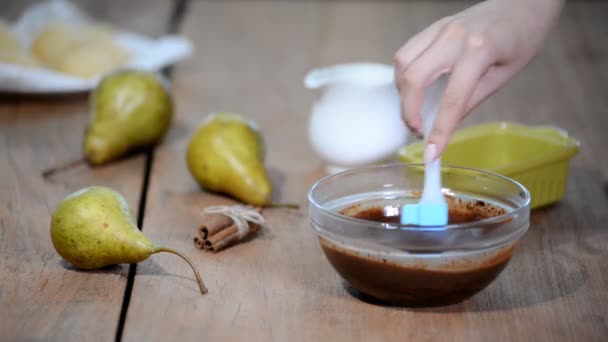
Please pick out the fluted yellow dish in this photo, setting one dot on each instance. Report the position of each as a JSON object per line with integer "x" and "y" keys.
{"x": 536, "y": 156}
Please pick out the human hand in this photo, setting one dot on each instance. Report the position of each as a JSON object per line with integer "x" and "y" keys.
{"x": 481, "y": 47}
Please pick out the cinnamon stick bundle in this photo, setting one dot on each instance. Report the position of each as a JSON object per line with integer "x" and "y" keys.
{"x": 219, "y": 231}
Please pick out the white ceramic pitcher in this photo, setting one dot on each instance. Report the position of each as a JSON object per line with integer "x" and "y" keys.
{"x": 357, "y": 120}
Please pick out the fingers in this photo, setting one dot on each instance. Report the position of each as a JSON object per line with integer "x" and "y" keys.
{"x": 409, "y": 52}
{"x": 412, "y": 119}
{"x": 416, "y": 45}
{"x": 491, "y": 81}
{"x": 436, "y": 59}
{"x": 468, "y": 70}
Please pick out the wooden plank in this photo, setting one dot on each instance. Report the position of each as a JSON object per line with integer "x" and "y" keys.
{"x": 41, "y": 296}
{"x": 278, "y": 286}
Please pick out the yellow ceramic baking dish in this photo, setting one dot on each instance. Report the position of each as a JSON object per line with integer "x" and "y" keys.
{"x": 536, "y": 156}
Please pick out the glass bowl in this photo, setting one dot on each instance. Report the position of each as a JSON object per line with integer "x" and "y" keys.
{"x": 355, "y": 214}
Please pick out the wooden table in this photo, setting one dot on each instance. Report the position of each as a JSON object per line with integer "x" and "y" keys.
{"x": 251, "y": 58}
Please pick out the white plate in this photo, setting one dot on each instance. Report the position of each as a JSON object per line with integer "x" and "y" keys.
{"x": 145, "y": 53}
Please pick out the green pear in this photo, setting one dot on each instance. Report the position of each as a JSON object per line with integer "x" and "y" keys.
{"x": 94, "y": 227}
{"x": 130, "y": 109}
{"x": 225, "y": 155}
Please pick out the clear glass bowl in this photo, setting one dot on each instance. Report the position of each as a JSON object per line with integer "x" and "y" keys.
{"x": 412, "y": 265}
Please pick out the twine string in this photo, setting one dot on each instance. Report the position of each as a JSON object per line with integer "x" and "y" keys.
{"x": 240, "y": 215}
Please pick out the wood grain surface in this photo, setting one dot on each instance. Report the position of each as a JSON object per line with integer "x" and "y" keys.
{"x": 251, "y": 58}
{"x": 41, "y": 296}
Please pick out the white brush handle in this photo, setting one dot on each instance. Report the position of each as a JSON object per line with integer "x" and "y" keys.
{"x": 430, "y": 105}
{"x": 432, "y": 172}
{"x": 432, "y": 184}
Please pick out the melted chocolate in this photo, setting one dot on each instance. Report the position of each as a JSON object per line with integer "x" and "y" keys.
{"x": 393, "y": 283}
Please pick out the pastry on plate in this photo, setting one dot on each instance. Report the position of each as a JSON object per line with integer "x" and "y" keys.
{"x": 88, "y": 60}
{"x": 7, "y": 40}
{"x": 10, "y": 49}
{"x": 84, "y": 50}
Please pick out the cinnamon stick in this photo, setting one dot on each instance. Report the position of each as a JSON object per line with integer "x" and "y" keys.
{"x": 224, "y": 234}
{"x": 254, "y": 227}
{"x": 199, "y": 242}
{"x": 213, "y": 224}
{"x": 217, "y": 247}
{"x": 219, "y": 231}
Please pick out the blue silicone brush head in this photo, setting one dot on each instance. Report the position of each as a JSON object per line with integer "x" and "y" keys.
{"x": 432, "y": 210}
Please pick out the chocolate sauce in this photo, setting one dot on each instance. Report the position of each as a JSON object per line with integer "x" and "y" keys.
{"x": 407, "y": 285}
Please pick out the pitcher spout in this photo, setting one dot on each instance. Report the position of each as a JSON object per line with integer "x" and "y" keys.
{"x": 362, "y": 74}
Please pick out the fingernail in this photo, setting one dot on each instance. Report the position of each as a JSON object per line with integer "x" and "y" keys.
{"x": 430, "y": 153}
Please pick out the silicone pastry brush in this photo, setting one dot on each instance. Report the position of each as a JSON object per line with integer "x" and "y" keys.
{"x": 432, "y": 210}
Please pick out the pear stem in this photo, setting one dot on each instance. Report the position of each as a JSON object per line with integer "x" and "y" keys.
{"x": 51, "y": 171}
{"x": 282, "y": 205}
{"x": 201, "y": 285}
